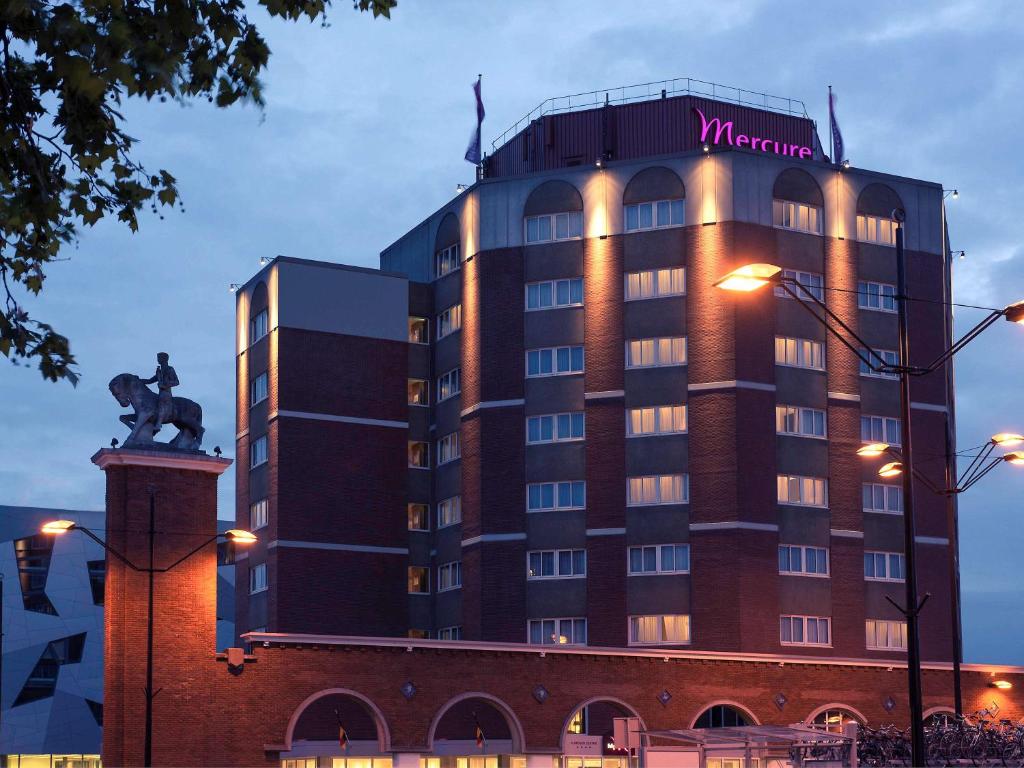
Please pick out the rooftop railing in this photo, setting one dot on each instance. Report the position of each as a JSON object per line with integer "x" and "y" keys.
{"x": 658, "y": 89}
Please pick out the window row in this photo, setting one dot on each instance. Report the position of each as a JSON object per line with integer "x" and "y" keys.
{"x": 880, "y": 634}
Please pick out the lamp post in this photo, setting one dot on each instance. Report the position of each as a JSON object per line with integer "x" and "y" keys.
{"x": 751, "y": 277}
{"x": 233, "y": 536}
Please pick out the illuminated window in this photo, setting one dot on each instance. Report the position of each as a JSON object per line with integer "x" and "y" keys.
{"x": 258, "y": 514}
{"x": 880, "y": 297}
{"x": 449, "y": 633}
{"x": 352, "y": 762}
{"x": 803, "y": 561}
{"x": 419, "y": 454}
{"x": 883, "y": 498}
{"x": 448, "y": 448}
{"x": 659, "y": 558}
{"x": 449, "y": 321}
{"x": 659, "y": 630}
{"x": 884, "y": 635}
{"x": 258, "y": 327}
{"x": 257, "y": 578}
{"x": 449, "y": 576}
{"x": 808, "y": 284}
{"x": 799, "y": 216}
{"x": 880, "y": 429}
{"x": 258, "y": 452}
{"x": 554, "y": 361}
{"x": 449, "y": 512}
{"x": 655, "y": 283}
{"x": 804, "y": 630}
{"x": 655, "y": 353}
{"x": 258, "y": 389}
{"x": 419, "y": 580}
{"x": 656, "y": 420}
{"x": 551, "y": 294}
{"x": 571, "y": 631}
{"x": 447, "y": 260}
{"x": 802, "y": 491}
{"x": 417, "y": 514}
{"x": 554, "y": 226}
{"x": 449, "y": 384}
{"x": 418, "y": 330}
{"x": 657, "y": 214}
{"x": 884, "y": 566}
{"x": 876, "y": 229}
{"x": 418, "y": 392}
{"x": 556, "y": 564}
{"x": 554, "y": 427}
{"x": 799, "y": 353}
{"x": 657, "y": 489}
{"x": 801, "y": 422}
{"x": 543, "y": 497}
{"x": 300, "y": 762}
{"x": 834, "y": 720}
{"x": 889, "y": 356}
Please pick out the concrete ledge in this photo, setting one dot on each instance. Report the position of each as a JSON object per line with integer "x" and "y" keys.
{"x": 170, "y": 459}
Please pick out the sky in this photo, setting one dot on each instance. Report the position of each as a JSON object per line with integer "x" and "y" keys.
{"x": 363, "y": 136}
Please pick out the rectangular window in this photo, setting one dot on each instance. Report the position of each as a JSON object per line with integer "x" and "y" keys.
{"x": 655, "y": 283}
{"x": 449, "y": 576}
{"x": 656, "y": 214}
{"x": 449, "y": 384}
{"x": 880, "y": 429}
{"x": 419, "y": 330}
{"x": 554, "y": 226}
{"x": 659, "y": 630}
{"x": 554, "y": 361}
{"x": 449, "y": 321}
{"x": 554, "y": 428}
{"x": 889, "y": 356}
{"x": 419, "y": 580}
{"x": 551, "y": 294}
{"x": 557, "y": 631}
{"x": 659, "y": 558}
{"x": 884, "y": 635}
{"x": 448, "y": 448}
{"x": 883, "y": 498}
{"x": 805, "y": 630}
{"x": 880, "y": 297}
{"x": 799, "y": 216}
{"x": 653, "y": 353}
{"x": 258, "y": 452}
{"x": 803, "y": 491}
{"x": 885, "y": 566}
{"x": 876, "y": 229}
{"x": 447, "y": 260}
{"x": 418, "y": 517}
{"x": 803, "y": 561}
{"x": 556, "y": 564}
{"x": 543, "y": 497}
{"x": 258, "y": 514}
{"x": 449, "y": 511}
{"x": 257, "y": 578}
{"x": 449, "y": 633}
{"x": 419, "y": 454}
{"x": 418, "y": 392}
{"x": 802, "y": 422}
{"x": 657, "y": 489}
{"x": 258, "y": 389}
{"x": 656, "y": 420}
{"x": 799, "y": 353}
{"x": 258, "y": 327}
{"x": 808, "y": 284}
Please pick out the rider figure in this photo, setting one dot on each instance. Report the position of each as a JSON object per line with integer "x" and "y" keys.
{"x": 165, "y": 378}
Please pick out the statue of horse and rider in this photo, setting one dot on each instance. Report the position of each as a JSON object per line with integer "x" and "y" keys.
{"x": 153, "y": 410}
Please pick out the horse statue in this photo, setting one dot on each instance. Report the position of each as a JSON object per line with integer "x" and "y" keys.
{"x": 187, "y": 415}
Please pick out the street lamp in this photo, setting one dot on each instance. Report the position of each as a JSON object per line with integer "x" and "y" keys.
{"x": 233, "y": 536}
{"x": 752, "y": 277}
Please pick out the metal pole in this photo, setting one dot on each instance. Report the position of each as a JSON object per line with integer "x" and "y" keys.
{"x": 911, "y": 608}
{"x": 148, "y": 744}
{"x": 954, "y": 571}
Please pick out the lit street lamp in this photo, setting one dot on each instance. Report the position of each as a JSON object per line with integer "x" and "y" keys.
{"x": 752, "y": 277}
{"x": 233, "y": 536}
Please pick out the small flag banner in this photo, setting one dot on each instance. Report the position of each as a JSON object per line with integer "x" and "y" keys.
{"x": 473, "y": 150}
{"x": 480, "y": 740}
{"x": 342, "y": 733}
{"x": 837, "y": 136}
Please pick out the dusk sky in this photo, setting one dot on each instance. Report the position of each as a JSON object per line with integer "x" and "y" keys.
{"x": 363, "y": 136}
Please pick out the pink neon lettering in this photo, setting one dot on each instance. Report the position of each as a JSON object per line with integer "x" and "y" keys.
{"x": 743, "y": 140}
{"x": 720, "y": 128}
{"x": 805, "y": 152}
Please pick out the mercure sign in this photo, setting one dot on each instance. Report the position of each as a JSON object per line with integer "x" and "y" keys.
{"x": 715, "y": 131}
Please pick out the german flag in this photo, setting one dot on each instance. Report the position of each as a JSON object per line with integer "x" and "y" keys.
{"x": 342, "y": 733}
{"x": 480, "y": 740}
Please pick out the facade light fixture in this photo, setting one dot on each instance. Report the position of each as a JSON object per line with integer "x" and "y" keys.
{"x": 460, "y": 188}
{"x": 846, "y": 165}
{"x": 57, "y": 527}
{"x": 1007, "y": 439}
{"x": 239, "y": 536}
{"x": 707, "y": 148}
{"x": 233, "y": 287}
{"x": 1015, "y": 313}
{"x": 892, "y": 469}
{"x": 749, "y": 277}
{"x": 264, "y": 260}
{"x": 1003, "y": 685}
{"x": 871, "y": 450}
{"x": 1016, "y": 457}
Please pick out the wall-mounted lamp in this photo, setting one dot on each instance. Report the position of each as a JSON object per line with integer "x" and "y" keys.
{"x": 599, "y": 163}
{"x": 460, "y": 188}
{"x": 846, "y": 165}
{"x": 233, "y": 287}
{"x": 707, "y": 148}
{"x": 1003, "y": 685}
{"x": 959, "y": 254}
{"x": 264, "y": 260}
{"x": 953, "y": 193}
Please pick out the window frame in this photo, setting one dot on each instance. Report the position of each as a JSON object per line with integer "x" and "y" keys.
{"x": 426, "y": 391}
{"x": 454, "y": 633}
{"x": 254, "y": 326}
{"x": 884, "y": 422}
{"x": 454, "y": 570}
{"x": 685, "y": 482}
{"x": 555, "y": 304}
{"x": 864, "y": 294}
{"x": 557, "y": 575}
{"x": 554, "y": 361}
{"x": 426, "y": 570}
{"x": 890, "y": 356}
{"x": 815, "y": 291}
{"x": 656, "y": 348}
{"x": 661, "y": 627}
{"x": 254, "y": 587}
{"x": 801, "y": 503}
{"x": 799, "y": 350}
{"x": 803, "y": 630}
{"x": 259, "y": 510}
{"x": 866, "y": 221}
{"x": 571, "y": 217}
{"x": 451, "y": 375}
{"x": 426, "y": 330}
{"x": 454, "y": 503}
{"x": 890, "y": 625}
{"x": 887, "y": 556}
{"x": 556, "y": 427}
{"x": 803, "y": 572}
{"x": 655, "y": 215}
{"x": 656, "y": 417}
{"x": 446, "y": 253}
{"x": 779, "y": 210}
{"x": 426, "y": 515}
{"x": 558, "y": 628}
{"x": 799, "y": 409}
{"x": 556, "y": 483}
{"x": 265, "y": 378}
{"x": 426, "y": 464}
{"x": 448, "y": 321}
{"x": 449, "y": 448}
{"x": 898, "y": 491}
{"x": 659, "y": 569}
{"x": 253, "y": 451}
{"x": 655, "y": 277}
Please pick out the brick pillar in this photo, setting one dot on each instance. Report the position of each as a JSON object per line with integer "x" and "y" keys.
{"x": 184, "y": 488}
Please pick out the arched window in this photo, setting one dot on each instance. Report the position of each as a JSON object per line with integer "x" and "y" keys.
{"x": 874, "y": 214}
{"x": 654, "y": 198}
{"x": 553, "y": 211}
{"x": 797, "y": 202}
{"x": 939, "y": 718}
{"x": 833, "y": 720}
{"x": 447, "y": 255}
{"x": 722, "y": 716}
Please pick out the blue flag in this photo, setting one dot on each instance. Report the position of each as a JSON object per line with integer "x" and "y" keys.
{"x": 473, "y": 150}
{"x": 837, "y": 136}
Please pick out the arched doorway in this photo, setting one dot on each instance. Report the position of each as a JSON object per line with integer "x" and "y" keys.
{"x": 338, "y": 728}
{"x": 475, "y": 730}
{"x": 587, "y": 740}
